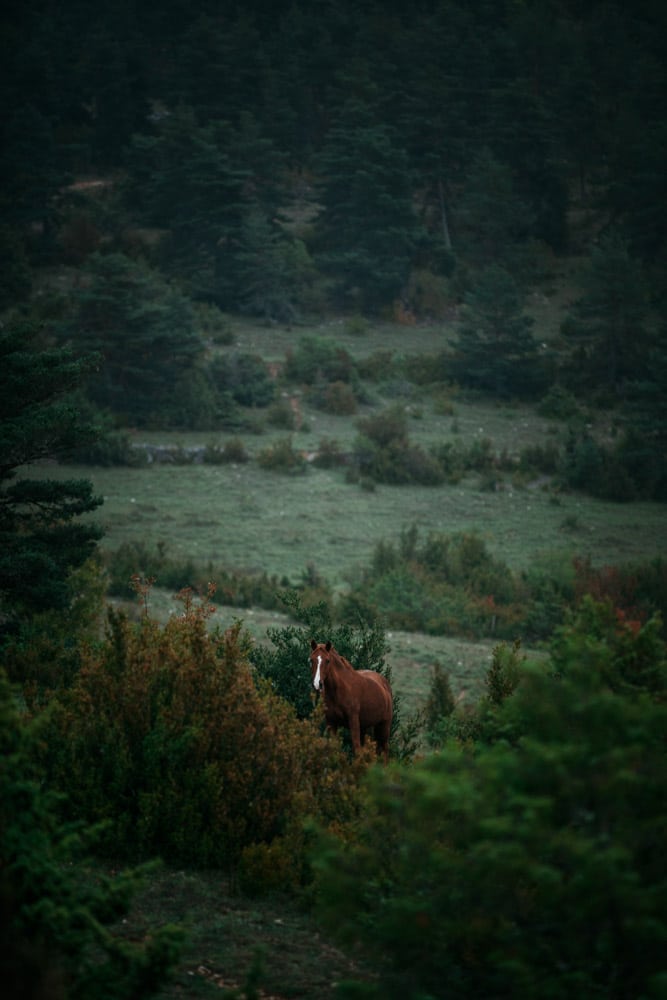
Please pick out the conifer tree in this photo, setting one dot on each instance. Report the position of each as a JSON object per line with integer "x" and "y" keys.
{"x": 273, "y": 269}
{"x": 491, "y": 220}
{"x": 367, "y": 228}
{"x": 606, "y": 327}
{"x": 143, "y": 328}
{"x": 496, "y": 351}
{"x": 41, "y": 539}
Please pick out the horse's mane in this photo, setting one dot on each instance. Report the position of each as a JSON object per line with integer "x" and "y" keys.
{"x": 342, "y": 660}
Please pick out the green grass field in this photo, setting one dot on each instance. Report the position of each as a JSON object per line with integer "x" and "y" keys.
{"x": 242, "y": 517}
{"x": 246, "y": 518}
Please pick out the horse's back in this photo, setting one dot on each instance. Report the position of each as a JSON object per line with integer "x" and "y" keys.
{"x": 379, "y": 701}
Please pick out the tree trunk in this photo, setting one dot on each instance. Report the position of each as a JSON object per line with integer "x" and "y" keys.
{"x": 443, "y": 215}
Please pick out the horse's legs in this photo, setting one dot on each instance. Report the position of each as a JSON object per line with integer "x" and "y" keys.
{"x": 355, "y": 734}
{"x": 382, "y": 740}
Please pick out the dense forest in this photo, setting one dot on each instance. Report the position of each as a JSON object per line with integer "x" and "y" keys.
{"x": 164, "y": 167}
{"x": 428, "y": 142}
{"x": 284, "y": 161}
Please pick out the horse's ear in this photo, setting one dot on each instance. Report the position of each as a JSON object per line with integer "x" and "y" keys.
{"x": 313, "y": 644}
{"x": 328, "y": 646}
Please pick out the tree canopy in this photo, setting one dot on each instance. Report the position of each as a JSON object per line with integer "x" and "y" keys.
{"x": 41, "y": 536}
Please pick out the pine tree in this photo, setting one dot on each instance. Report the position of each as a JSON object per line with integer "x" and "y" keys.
{"x": 607, "y": 325}
{"x": 496, "y": 351}
{"x": 41, "y": 539}
{"x": 367, "y": 227}
{"x": 274, "y": 270}
{"x": 645, "y": 444}
{"x": 143, "y": 328}
{"x": 185, "y": 181}
{"x": 490, "y": 218}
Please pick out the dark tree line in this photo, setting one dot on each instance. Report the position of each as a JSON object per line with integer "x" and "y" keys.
{"x": 286, "y": 159}
{"x": 564, "y": 96}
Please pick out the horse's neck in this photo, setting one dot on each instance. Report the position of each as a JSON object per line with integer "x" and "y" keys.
{"x": 336, "y": 676}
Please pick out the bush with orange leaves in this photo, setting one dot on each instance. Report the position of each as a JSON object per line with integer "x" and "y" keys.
{"x": 168, "y": 736}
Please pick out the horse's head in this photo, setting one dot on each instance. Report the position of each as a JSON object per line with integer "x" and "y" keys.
{"x": 320, "y": 659}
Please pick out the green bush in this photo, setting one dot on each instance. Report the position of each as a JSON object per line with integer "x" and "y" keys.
{"x": 232, "y": 452}
{"x": 559, "y": 403}
{"x": 167, "y": 737}
{"x": 196, "y": 404}
{"x": 442, "y": 585}
{"x": 377, "y": 367}
{"x": 213, "y": 324}
{"x": 234, "y": 587}
{"x": 245, "y": 377}
{"x": 60, "y": 932}
{"x": 384, "y": 453}
{"x": 440, "y": 703}
{"x": 522, "y": 870}
{"x": 43, "y": 653}
{"x": 282, "y": 457}
{"x": 339, "y": 399}
{"x": 329, "y": 454}
{"x": 603, "y": 472}
{"x": 540, "y": 458}
{"x": 281, "y": 414}
{"x": 316, "y": 361}
{"x": 139, "y": 559}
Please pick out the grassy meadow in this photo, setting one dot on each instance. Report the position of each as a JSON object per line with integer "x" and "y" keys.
{"x": 244, "y": 517}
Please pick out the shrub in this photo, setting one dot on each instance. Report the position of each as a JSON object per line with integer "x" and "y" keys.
{"x": 43, "y": 654}
{"x": 356, "y": 326}
{"x": 196, "y": 404}
{"x": 518, "y": 870}
{"x": 377, "y": 367}
{"x": 540, "y": 458}
{"x": 384, "y": 453}
{"x": 385, "y": 428}
{"x": 167, "y": 737}
{"x": 139, "y": 559}
{"x": 328, "y": 454}
{"x": 339, "y": 399}
{"x": 282, "y": 457}
{"x": 281, "y": 414}
{"x": 429, "y": 294}
{"x": 441, "y": 702}
{"x": 59, "y": 931}
{"x": 589, "y": 466}
{"x": 559, "y": 404}
{"x": 445, "y": 584}
{"x": 111, "y": 449}
{"x": 232, "y": 452}
{"x": 213, "y": 324}
{"x": 318, "y": 361}
{"x": 245, "y": 377}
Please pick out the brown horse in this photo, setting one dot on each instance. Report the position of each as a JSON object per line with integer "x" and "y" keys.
{"x": 359, "y": 700}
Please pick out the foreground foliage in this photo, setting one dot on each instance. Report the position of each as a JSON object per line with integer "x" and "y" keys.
{"x": 41, "y": 537}
{"x": 527, "y": 863}
{"x": 58, "y": 939}
{"x": 167, "y": 736}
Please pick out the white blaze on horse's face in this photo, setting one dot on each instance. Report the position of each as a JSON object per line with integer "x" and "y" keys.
{"x": 317, "y": 679}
